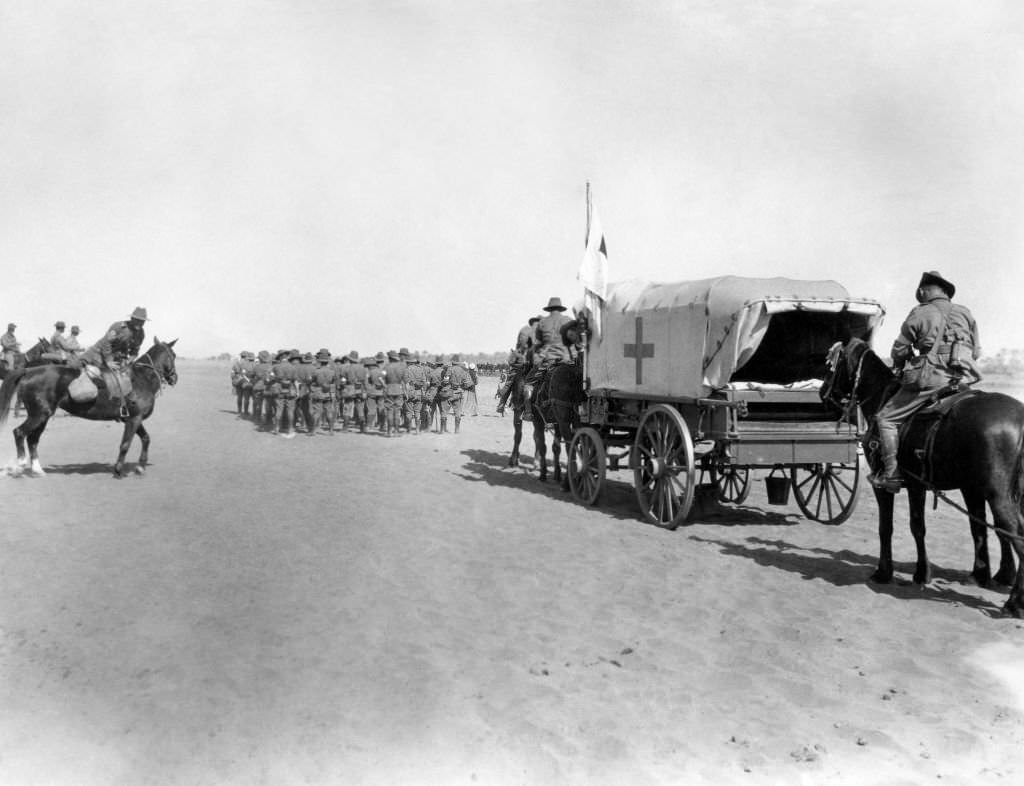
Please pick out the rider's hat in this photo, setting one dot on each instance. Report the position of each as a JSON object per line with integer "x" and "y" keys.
{"x": 392, "y": 355}
{"x": 140, "y": 313}
{"x": 282, "y": 354}
{"x": 554, "y": 304}
{"x": 263, "y": 357}
{"x": 935, "y": 277}
{"x": 369, "y": 360}
{"x": 75, "y": 328}
{"x": 380, "y": 357}
{"x": 456, "y": 358}
{"x": 403, "y": 352}
{"x": 353, "y": 356}
{"x": 534, "y": 320}
{"x": 439, "y": 360}
{"x": 59, "y": 325}
{"x": 323, "y": 354}
{"x": 11, "y": 326}
{"x": 307, "y": 357}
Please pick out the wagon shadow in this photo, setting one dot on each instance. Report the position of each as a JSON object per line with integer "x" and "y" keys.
{"x": 492, "y": 468}
{"x": 845, "y": 568}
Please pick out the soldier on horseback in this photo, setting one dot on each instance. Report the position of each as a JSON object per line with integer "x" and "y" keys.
{"x": 118, "y": 347}
{"x": 518, "y": 360}
{"x": 10, "y": 346}
{"x": 936, "y": 346}
{"x": 549, "y": 349}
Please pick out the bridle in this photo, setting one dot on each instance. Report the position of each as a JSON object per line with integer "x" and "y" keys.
{"x": 167, "y": 377}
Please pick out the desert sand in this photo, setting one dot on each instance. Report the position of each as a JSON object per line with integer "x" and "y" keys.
{"x": 359, "y": 610}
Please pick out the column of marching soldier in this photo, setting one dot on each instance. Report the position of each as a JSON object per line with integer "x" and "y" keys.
{"x": 391, "y": 395}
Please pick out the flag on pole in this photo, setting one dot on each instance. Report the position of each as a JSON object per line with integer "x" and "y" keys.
{"x": 594, "y": 267}
{"x": 593, "y": 273}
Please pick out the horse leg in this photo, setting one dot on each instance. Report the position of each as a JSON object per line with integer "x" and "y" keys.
{"x": 33, "y": 447}
{"x": 885, "y": 501}
{"x": 556, "y": 460}
{"x": 130, "y": 426}
{"x": 916, "y": 499}
{"x": 144, "y": 453}
{"x": 1009, "y": 519}
{"x": 981, "y": 572}
{"x": 517, "y": 437}
{"x": 540, "y": 455}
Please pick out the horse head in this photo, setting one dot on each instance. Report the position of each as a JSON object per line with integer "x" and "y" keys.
{"x": 161, "y": 357}
{"x": 854, "y": 373}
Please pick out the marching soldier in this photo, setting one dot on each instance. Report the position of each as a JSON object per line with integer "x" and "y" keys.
{"x": 459, "y": 381}
{"x": 374, "y": 388}
{"x": 394, "y": 391}
{"x": 353, "y": 386}
{"x": 429, "y": 394}
{"x": 285, "y": 390}
{"x": 304, "y": 377}
{"x": 416, "y": 383}
{"x": 443, "y": 374}
{"x": 241, "y": 381}
{"x": 322, "y": 393}
{"x": 261, "y": 372}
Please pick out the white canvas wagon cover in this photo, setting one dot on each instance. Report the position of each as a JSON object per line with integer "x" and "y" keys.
{"x": 687, "y": 338}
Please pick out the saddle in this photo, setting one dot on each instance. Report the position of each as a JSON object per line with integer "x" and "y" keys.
{"x": 86, "y": 386}
{"x": 929, "y": 416}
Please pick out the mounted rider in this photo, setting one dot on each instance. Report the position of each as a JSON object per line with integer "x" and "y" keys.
{"x": 936, "y": 347}
{"x": 10, "y": 346}
{"x": 549, "y": 349}
{"x": 518, "y": 360}
{"x": 110, "y": 357}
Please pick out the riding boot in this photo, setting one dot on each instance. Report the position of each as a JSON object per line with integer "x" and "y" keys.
{"x": 527, "y": 402}
{"x": 888, "y": 478}
{"x": 458, "y": 420}
{"x": 444, "y": 426}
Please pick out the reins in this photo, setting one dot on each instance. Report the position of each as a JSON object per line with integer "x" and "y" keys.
{"x": 940, "y": 494}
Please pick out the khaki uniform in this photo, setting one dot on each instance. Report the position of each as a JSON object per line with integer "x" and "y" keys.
{"x": 944, "y": 336}
{"x": 321, "y": 397}
{"x": 261, "y": 378}
{"x": 374, "y": 389}
{"x": 393, "y": 399}
{"x": 285, "y": 390}
{"x": 417, "y": 381}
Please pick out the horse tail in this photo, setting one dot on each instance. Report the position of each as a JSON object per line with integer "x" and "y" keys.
{"x": 8, "y": 391}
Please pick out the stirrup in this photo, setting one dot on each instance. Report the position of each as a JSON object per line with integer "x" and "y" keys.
{"x": 892, "y": 484}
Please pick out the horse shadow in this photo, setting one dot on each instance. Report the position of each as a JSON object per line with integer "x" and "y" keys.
{"x": 90, "y": 468}
{"x": 846, "y": 568}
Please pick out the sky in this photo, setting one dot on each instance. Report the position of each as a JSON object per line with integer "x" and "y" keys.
{"x": 373, "y": 175}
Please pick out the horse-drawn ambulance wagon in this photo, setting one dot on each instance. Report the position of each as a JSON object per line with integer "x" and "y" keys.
{"x": 710, "y": 379}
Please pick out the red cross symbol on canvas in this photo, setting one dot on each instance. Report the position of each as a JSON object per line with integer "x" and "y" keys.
{"x": 639, "y": 350}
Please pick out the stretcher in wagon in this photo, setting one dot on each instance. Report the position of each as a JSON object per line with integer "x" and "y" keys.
{"x": 697, "y": 383}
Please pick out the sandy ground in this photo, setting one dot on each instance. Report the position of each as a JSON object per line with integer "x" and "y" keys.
{"x": 357, "y": 610}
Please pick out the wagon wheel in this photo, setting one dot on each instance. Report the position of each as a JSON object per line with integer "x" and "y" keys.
{"x": 663, "y": 472}
{"x": 586, "y": 465}
{"x": 826, "y": 492}
{"x": 733, "y": 483}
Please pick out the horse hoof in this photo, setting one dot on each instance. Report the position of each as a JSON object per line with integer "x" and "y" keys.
{"x": 140, "y": 470}
{"x": 878, "y": 577}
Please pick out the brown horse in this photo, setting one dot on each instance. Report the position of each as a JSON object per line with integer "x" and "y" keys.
{"x": 44, "y": 389}
{"x": 974, "y": 443}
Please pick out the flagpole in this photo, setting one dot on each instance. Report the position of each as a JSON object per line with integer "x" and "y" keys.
{"x": 586, "y": 336}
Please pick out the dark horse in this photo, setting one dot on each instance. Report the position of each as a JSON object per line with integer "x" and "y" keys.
{"x": 554, "y": 403}
{"x": 44, "y": 389}
{"x": 974, "y": 444}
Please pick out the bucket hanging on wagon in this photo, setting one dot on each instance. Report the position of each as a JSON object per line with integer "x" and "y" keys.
{"x": 777, "y": 487}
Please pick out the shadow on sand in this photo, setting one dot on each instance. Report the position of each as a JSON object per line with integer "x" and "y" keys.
{"x": 617, "y": 498}
{"x": 845, "y": 568}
